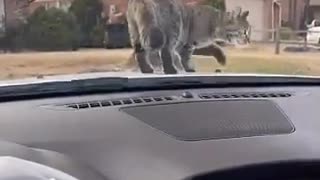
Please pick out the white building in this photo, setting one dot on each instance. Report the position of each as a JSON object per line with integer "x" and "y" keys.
{"x": 270, "y": 14}
{"x": 256, "y": 16}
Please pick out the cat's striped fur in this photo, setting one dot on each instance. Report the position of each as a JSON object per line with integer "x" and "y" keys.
{"x": 169, "y": 32}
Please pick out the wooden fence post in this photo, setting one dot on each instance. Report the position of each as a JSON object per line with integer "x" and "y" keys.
{"x": 305, "y": 43}
{"x": 278, "y": 39}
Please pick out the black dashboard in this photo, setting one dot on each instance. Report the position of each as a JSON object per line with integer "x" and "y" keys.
{"x": 255, "y": 133}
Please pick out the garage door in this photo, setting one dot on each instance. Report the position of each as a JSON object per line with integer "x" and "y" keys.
{"x": 256, "y": 17}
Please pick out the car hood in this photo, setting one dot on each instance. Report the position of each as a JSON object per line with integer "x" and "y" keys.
{"x": 88, "y": 76}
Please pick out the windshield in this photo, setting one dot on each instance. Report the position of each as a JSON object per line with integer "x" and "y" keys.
{"x": 40, "y": 38}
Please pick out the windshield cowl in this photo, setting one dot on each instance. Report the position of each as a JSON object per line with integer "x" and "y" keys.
{"x": 56, "y": 87}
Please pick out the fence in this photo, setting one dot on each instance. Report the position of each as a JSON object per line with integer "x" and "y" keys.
{"x": 285, "y": 36}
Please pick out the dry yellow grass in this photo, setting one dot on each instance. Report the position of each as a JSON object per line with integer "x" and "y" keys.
{"x": 257, "y": 61}
{"x": 50, "y": 63}
{"x": 253, "y": 60}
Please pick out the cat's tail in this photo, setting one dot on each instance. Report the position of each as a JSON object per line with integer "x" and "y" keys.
{"x": 219, "y": 54}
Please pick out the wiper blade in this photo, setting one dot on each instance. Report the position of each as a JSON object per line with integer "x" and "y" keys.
{"x": 63, "y": 88}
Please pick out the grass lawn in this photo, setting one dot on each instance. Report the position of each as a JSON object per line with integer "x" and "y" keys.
{"x": 254, "y": 60}
{"x": 242, "y": 61}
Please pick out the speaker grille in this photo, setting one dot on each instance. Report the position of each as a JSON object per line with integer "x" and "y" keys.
{"x": 207, "y": 120}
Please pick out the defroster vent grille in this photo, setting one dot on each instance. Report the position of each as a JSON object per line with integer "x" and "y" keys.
{"x": 243, "y": 95}
{"x": 118, "y": 102}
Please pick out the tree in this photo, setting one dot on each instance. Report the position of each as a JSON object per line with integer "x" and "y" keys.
{"x": 51, "y": 29}
{"x": 219, "y": 4}
{"x": 88, "y": 16}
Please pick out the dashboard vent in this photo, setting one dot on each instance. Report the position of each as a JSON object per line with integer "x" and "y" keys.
{"x": 119, "y": 102}
{"x": 243, "y": 95}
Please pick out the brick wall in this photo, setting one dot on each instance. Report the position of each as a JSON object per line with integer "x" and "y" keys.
{"x": 16, "y": 11}
{"x": 63, "y": 4}
{"x": 1, "y": 15}
{"x": 123, "y": 4}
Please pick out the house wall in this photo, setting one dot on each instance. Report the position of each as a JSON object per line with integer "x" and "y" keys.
{"x": 2, "y": 14}
{"x": 256, "y": 16}
{"x": 194, "y": 2}
{"x": 16, "y": 12}
{"x": 260, "y": 17}
{"x": 60, "y": 4}
{"x": 292, "y": 12}
{"x": 122, "y": 6}
{"x": 316, "y": 12}
{"x": 315, "y": 9}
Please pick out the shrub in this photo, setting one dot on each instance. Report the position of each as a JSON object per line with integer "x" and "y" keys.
{"x": 88, "y": 17}
{"x": 286, "y": 33}
{"x": 219, "y": 4}
{"x": 51, "y": 30}
{"x": 97, "y": 36}
{"x": 12, "y": 39}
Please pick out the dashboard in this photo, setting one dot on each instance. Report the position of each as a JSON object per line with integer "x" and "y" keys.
{"x": 196, "y": 134}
